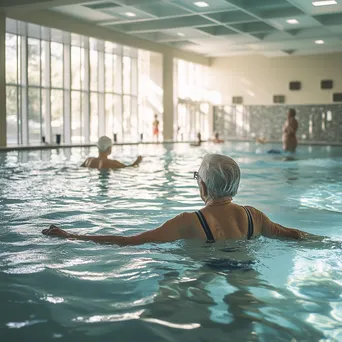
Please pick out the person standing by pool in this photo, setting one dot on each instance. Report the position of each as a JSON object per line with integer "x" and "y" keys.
{"x": 289, "y": 132}
{"x": 199, "y": 140}
{"x": 155, "y": 126}
{"x": 218, "y": 180}
{"x": 217, "y": 139}
{"x": 104, "y": 146}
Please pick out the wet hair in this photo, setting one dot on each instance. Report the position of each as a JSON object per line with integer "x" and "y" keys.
{"x": 292, "y": 111}
{"x": 221, "y": 175}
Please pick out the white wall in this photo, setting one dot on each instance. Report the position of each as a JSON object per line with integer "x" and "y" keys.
{"x": 258, "y": 78}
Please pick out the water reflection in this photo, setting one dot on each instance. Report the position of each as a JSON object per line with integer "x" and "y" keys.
{"x": 291, "y": 175}
{"x": 174, "y": 291}
{"x": 226, "y": 294}
{"x": 316, "y": 281}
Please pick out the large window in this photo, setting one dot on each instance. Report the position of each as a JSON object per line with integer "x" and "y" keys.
{"x": 12, "y": 90}
{"x": 193, "y": 96}
{"x": 71, "y": 86}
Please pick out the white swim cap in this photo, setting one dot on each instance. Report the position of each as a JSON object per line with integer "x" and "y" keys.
{"x": 104, "y": 143}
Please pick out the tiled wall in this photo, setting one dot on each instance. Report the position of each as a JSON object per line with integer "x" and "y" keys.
{"x": 321, "y": 123}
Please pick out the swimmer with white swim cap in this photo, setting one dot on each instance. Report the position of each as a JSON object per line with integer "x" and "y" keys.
{"x": 104, "y": 146}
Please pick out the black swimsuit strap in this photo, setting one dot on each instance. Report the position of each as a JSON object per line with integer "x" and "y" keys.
{"x": 205, "y": 226}
{"x": 250, "y": 224}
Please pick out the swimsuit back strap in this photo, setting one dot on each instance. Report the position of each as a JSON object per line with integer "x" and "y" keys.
{"x": 250, "y": 223}
{"x": 205, "y": 226}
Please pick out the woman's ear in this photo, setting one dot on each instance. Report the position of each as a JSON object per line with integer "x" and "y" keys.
{"x": 204, "y": 189}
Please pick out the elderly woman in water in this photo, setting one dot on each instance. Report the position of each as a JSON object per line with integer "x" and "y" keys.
{"x": 218, "y": 180}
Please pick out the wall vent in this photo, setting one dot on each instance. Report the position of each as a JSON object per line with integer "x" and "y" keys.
{"x": 295, "y": 85}
{"x": 278, "y": 98}
{"x": 237, "y": 99}
{"x": 326, "y": 84}
{"x": 337, "y": 97}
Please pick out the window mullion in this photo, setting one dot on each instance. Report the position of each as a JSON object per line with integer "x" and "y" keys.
{"x": 85, "y": 97}
{"x": 67, "y": 92}
{"x": 47, "y": 104}
{"x": 24, "y": 88}
{"x": 120, "y": 63}
{"x": 101, "y": 90}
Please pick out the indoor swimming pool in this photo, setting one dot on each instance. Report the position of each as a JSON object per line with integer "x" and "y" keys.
{"x": 259, "y": 290}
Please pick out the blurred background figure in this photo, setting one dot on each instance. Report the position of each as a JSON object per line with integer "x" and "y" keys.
{"x": 289, "y": 132}
{"x": 199, "y": 140}
{"x": 155, "y": 126}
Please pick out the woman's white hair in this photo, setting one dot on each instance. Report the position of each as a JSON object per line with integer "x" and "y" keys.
{"x": 104, "y": 143}
{"x": 221, "y": 175}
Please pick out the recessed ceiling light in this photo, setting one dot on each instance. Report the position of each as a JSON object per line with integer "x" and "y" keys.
{"x": 319, "y": 41}
{"x": 130, "y": 14}
{"x": 292, "y": 21}
{"x": 324, "y": 3}
{"x": 201, "y": 4}
{"x": 181, "y": 34}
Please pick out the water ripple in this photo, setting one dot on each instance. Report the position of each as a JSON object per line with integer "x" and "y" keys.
{"x": 246, "y": 291}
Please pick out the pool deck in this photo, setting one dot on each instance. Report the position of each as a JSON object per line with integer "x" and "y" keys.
{"x": 55, "y": 146}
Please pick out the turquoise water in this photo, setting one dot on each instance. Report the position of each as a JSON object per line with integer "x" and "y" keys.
{"x": 261, "y": 290}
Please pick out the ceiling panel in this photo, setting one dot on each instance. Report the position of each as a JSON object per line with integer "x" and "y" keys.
{"x": 126, "y": 13}
{"x": 303, "y": 21}
{"x": 85, "y": 13}
{"x": 236, "y": 39}
{"x": 329, "y": 19}
{"x": 254, "y": 27}
{"x": 231, "y": 17}
{"x": 336, "y": 29}
{"x": 217, "y": 30}
{"x": 276, "y": 13}
{"x": 162, "y": 9}
{"x": 307, "y": 7}
{"x": 101, "y": 5}
{"x": 315, "y": 33}
{"x": 213, "y": 5}
{"x": 216, "y": 27}
{"x": 261, "y": 5}
{"x": 186, "y": 33}
{"x": 135, "y": 2}
{"x": 155, "y": 25}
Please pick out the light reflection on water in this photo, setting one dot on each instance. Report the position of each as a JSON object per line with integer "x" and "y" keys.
{"x": 262, "y": 290}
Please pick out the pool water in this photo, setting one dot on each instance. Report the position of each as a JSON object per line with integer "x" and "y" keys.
{"x": 261, "y": 290}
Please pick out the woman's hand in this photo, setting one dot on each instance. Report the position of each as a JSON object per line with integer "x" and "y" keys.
{"x": 138, "y": 161}
{"x": 57, "y": 232}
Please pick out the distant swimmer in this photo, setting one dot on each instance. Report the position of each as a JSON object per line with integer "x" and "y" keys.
{"x": 104, "y": 146}
{"x": 273, "y": 151}
{"x": 217, "y": 139}
{"x": 261, "y": 140}
{"x": 290, "y": 128}
{"x": 199, "y": 140}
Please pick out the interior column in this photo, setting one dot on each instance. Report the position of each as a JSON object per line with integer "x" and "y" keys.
{"x": 168, "y": 101}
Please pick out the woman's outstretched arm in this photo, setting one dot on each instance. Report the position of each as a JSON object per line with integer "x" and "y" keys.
{"x": 175, "y": 229}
